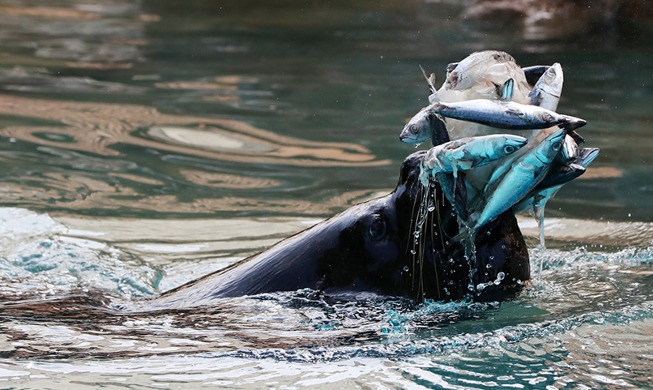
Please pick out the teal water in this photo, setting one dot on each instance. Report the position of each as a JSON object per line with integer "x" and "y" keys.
{"x": 144, "y": 144}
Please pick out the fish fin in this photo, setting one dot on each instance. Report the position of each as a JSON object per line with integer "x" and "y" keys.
{"x": 507, "y": 90}
{"x": 514, "y": 111}
{"x": 536, "y": 98}
{"x": 465, "y": 165}
{"x": 430, "y": 80}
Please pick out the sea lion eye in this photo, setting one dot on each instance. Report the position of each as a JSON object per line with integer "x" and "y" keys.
{"x": 413, "y": 129}
{"x": 377, "y": 229}
{"x": 509, "y": 149}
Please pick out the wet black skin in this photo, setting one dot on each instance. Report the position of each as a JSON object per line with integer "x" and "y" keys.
{"x": 367, "y": 248}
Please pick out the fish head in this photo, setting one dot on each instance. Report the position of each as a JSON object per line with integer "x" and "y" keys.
{"x": 550, "y": 146}
{"x": 552, "y": 80}
{"x": 500, "y": 145}
{"x": 511, "y": 143}
{"x": 569, "y": 149}
{"x": 586, "y": 156}
{"x": 419, "y": 128}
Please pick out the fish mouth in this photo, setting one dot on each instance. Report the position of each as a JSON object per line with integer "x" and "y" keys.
{"x": 407, "y": 138}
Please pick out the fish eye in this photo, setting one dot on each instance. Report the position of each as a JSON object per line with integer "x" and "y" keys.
{"x": 557, "y": 146}
{"x": 509, "y": 149}
{"x": 413, "y": 129}
{"x": 377, "y": 229}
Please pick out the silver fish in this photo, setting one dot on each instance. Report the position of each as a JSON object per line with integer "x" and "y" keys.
{"x": 425, "y": 125}
{"x": 473, "y": 67}
{"x": 467, "y": 153}
{"x": 547, "y": 90}
{"x": 506, "y": 115}
{"x": 525, "y": 174}
{"x": 533, "y": 73}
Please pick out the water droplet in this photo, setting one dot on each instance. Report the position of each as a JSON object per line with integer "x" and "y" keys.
{"x": 491, "y": 257}
{"x": 451, "y": 260}
{"x": 488, "y": 266}
{"x": 480, "y": 287}
{"x": 470, "y": 287}
{"x": 431, "y": 208}
{"x": 417, "y": 233}
{"x": 503, "y": 247}
{"x": 488, "y": 233}
{"x": 413, "y": 252}
{"x": 406, "y": 269}
{"x": 417, "y": 145}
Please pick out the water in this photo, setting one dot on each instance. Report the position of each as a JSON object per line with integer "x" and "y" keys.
{"x": 144, "y": 144}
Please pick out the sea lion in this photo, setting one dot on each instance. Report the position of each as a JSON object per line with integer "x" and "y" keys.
{"x": 372, "y": 247}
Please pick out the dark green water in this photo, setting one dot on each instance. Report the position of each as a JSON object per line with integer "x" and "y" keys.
{"x": 144, "y": 144}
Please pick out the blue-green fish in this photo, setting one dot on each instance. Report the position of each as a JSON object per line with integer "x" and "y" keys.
{"x": 467, "y": 153}
{"x": 518, "y": 182}
{"x": 551, "y": 184}
{"x": 506, "y": 115}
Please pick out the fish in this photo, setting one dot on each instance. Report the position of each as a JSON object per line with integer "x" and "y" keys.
{"x": 518, "y": 182}
{"x": 506, "y": 115}
{"x": 546, "y": 92}
{"x": 474, "y": 67}
{"x": 569, "y": 151}
{"x": 430, "y": 80}
{"x": 467, "y": 153}
{"x": 505, "y": 91}
{"x": 586, "y": 156}
{"x": 533, "y": 73}
{"x": 559, "y": 175}
{"x": 425, "y": 125}
{"x": 455, "y": 191}
{"x": 550, "y": 186}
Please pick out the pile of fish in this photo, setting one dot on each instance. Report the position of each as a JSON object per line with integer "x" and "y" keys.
{"x": 482, "y": 170}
